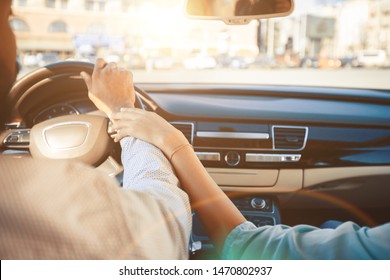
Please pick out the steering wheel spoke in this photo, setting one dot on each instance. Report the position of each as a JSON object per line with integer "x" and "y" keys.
{"x": 16, "y": 139}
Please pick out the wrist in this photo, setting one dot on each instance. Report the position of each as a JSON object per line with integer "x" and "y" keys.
{"x": 178, "y": 150}
{"x": 171, "y": 141}
{"x": 108, "y": 107}
{"x": 115, "y": 108}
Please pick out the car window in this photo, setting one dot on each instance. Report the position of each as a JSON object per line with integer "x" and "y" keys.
{"x": 324, "y": 42}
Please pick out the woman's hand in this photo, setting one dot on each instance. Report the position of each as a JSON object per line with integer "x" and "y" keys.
{"x": 149, "y": 127}
{"x": 110, "y": 88}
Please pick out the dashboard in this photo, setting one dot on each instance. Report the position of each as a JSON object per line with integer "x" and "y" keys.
{"x": 282, "y": 154}
{"x": 257, "y": 138}
{"x": 257, "y": 128}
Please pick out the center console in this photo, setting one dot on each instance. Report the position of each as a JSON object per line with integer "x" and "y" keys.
{"x": 260, "y": 210}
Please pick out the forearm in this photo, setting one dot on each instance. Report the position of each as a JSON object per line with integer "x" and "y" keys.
{"x": 147, "y": 170}
{"x": 207, "y": 199}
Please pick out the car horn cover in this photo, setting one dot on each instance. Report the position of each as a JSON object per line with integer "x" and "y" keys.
{"x": 79, "y": 137}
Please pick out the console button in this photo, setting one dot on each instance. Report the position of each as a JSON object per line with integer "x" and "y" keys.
{"x": 258, "y": 203}
{"x": 232, "y": 158}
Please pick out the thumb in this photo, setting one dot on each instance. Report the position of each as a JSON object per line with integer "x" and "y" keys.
{"x": 87, "y": 79}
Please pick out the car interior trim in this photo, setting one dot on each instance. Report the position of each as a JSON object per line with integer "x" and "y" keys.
{"x": 232, "y": 135}
{"x": 17, "y": 138}
{"x": 272, "y": 157}
{"x": 258, "y": 180}
{"x": 191, "y": 124}
{"x": 110, "y": 167}
{"x": 317, "y": 176}
{"x": 209, "y": 156}
{"x": 63, "y": 128}
{"x": 274, "y": 147}
{"x": 54, "y": 107}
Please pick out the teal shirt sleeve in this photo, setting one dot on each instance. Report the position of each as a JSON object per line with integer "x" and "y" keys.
{"x": 347, "y": 241}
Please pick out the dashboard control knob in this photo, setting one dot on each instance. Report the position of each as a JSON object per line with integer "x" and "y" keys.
{"x": 232, "y": 158}
{"x": 258, "y": 203}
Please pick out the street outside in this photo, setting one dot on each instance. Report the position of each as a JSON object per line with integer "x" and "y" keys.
{"x": 350, "y": 78}
{"x": 355, "y": 78}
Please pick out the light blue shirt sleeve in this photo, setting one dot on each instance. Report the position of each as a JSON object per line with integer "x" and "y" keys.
{"x": 347, "y": 241}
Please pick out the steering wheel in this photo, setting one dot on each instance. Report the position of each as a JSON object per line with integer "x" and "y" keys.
{"x": 81, "y": 137}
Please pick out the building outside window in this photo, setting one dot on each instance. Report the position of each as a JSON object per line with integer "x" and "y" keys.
{"x": 19, "y": 25}
{"x": 64, "y": 4}
{"x": 89, "y": 4}
{"x": 50, "y": 3}
{"x": 102, "y": 5}
{"x": 19, "y": 3}
{"x": 126, "y": 5}
{"x": 95, "y": 5}
{"x": 58, "y": 27}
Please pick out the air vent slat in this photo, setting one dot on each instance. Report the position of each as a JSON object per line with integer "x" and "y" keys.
{"x": 186, "y": 128}
{"x": 289, "y": 138}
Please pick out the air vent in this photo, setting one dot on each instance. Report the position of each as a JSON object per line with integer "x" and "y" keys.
{"x": 186, "y": 128}
{"x": 289, "y": 137}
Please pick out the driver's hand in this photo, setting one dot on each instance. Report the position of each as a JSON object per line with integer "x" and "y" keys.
{"x": 110, "y": 88}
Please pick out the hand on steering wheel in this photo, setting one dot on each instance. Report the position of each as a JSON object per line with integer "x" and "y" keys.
{"x": 110, "y": 88}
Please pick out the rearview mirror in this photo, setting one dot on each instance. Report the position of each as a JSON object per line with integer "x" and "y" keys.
{"x": 238, "y": 11}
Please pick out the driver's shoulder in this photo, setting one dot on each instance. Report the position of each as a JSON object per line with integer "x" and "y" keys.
{"x": 22, "y": 174}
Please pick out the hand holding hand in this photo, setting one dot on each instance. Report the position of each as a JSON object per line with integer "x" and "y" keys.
{"x": 149, "y": 127}
{"x": 110, "y": 88}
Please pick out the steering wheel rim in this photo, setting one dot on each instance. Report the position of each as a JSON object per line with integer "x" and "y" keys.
{"x": 26, "y": 92}
{"x": 56, "y": 71}
{"x": 46, "y": 139}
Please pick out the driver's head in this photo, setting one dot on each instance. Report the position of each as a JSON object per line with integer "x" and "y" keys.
{"x": 8, "y": 68}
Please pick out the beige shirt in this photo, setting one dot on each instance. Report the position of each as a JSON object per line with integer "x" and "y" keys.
{"x": 66, "y": 210}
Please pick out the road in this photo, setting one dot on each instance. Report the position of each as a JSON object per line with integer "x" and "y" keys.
{"x": 357, "y": 78}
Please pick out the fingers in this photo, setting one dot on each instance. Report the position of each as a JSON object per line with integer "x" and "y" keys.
{"x": 100, "y": 63}
{"x": 87, "y": 79}
{"x": 122, "y": 133}
{"x": 128, "y": 122}
{"x": 102, "y": 66}
{"x": 123, "y": 124}
{"x": 127, "y": 113}
{"x": 112, "y": 66}
{"x": 119, "y": 125}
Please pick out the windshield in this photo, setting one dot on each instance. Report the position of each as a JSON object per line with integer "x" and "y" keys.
{"x": 342, "y": 43}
